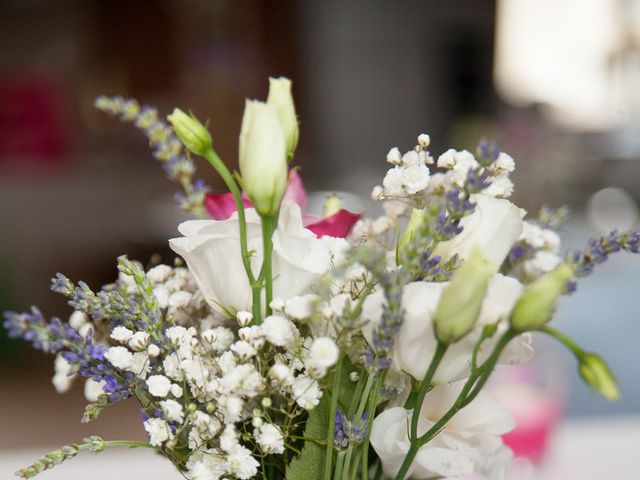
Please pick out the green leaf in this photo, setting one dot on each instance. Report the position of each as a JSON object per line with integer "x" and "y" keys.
{"x": 308, "y": 466}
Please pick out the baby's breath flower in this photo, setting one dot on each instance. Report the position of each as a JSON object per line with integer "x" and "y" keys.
{"x": 159, "y": 385}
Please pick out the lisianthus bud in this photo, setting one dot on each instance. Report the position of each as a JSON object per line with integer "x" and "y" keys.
{"x": 596, "y": 373}
{"x": 416, "y": 219}
{"x": 263, "y": 162}
{"x": 280, "y": 98}
{"x": 461, "y": 300}
{"x": 536, "y": 305}
{"x": 193, "y": 135}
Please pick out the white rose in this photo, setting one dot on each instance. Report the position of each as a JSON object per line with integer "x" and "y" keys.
{"x": 493, "y": 227}
{"x": 470, "y": 443}
{"x": 415, "y": 342}
{"x": 212, "y": 251}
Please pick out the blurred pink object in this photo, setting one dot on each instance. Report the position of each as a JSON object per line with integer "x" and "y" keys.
{"x": 220, "y": 206}
{"x": 536, "y": 409}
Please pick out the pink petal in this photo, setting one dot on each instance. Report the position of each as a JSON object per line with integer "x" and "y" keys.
{"x": 221, "y": 205}
{"x": 337, "y": 225}
{"x": 295, "y": 190}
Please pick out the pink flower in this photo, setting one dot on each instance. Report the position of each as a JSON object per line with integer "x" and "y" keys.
{"x": 221, "y": 205}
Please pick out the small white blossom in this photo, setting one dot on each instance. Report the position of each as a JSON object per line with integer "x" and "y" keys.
{"x": 279, "y": 331}
{"x": 140, "y": 364}
{"x": 269, "y": 438}
{"x": 301, "y": 307}
{"x": 153, "y": 350}
{"x": 394, "y": 157}
{"x": 551, "y": 240}
{"x": 277, "y": 304}
{"x": 139, "y": 340}
{"x": 229, "y": 438}
{"x": 77, "y": 319}
{"x": 159, "y": 385}
{"x": 411, "y": 158}
{"x": 244, "y": 318}
{"x": 172, "y": 410}
{"x": 171, "y": 366}
{"x": 253, "y": 335}
{"x": 61, "y": 380}
{"x": 161, "y": 294}
{"x": 393, "y": 183}
{"x": 231, "y": 408}
{"x": 121, "y": 334}
{"x": 241, "y": 463}
{"x": 159, "y": 273}
{"x": 532, "y": 234}
{"x": 424, "y": 140}
{"x": 180, "y": 299}
{"x": 542, "y": 262}
{"x": 323, "y": 353}
{"x": 219, "y": 338}
{"x": 158, "y": 431}
{"x": 84, "y": 329}
{"x": 176, "y": 390}
{"x": 381, "y": 224}
{"x": 447, "y": 159}
{"x": 504, "y": 162}
{"x": 243, "y": 350}
{"x": 377, "y": 192}
{"x": 306, "y": 392}
{"x": 280, "y": 374}
{"x": 415, "y": 178}
{"x": 176, "y": 334}
{"x": 93, "y": 389}
{"x": 119, "y": 357}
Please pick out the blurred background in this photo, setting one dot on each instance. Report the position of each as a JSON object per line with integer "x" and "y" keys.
{"x": 555, "y": 82}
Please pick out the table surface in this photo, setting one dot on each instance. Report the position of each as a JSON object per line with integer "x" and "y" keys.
{"x": 582, "y": 449}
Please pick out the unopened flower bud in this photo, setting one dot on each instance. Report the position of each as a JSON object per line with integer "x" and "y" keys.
{"x": 415, "y": 221}
{"x": 461, "y": 300}
{"x": 537, "y": 303}
{"x": 153, "y": 350}
{"x": 263, "y": 157}
{"x": 211, "y": 407}
{"x": 424, "y": 140}
{"x": 281, "y": 99}
{"x": 354, "y": 376}
{"x": 193, "y": 135}
{"x": 596, "y": 373}
{"x": 394, "y": 157}
{"x": 256, "y": 422}
{"x": 332, "y": 205}
{"x": 266, "y": 402}
{"x": 244, "y": 318}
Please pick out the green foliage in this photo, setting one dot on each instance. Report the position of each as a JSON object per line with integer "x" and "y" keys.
{"x": 307, "y": 466}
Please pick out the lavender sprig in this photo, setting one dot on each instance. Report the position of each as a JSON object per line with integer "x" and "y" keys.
{"x": 167, "y": 149}
{"x": 598, "y": 250}
{"x": 350, "y": 432}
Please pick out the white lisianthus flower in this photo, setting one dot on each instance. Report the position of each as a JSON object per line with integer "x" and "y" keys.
{"x": 415, "y": 342}
{"x": 212, "y": 251}
{"x": 470, "y": 443}
{"x": 493, "y": 228}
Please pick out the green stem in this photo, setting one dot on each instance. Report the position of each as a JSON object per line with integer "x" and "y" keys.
{"x": 476, "y": 381}
{"x": 373, "y": 403}
{"x": 441, "y": 349}
{"x": 268, "y": 226}
{"x": 215, "y": 161}
{"x": 328, "y": 456}
{"x": 339, "y": 464}
{"x": 565, "y": 340}
{"x": 364, "y": 399}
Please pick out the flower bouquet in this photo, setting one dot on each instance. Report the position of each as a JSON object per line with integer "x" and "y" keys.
{"x": 280, "y": 345}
